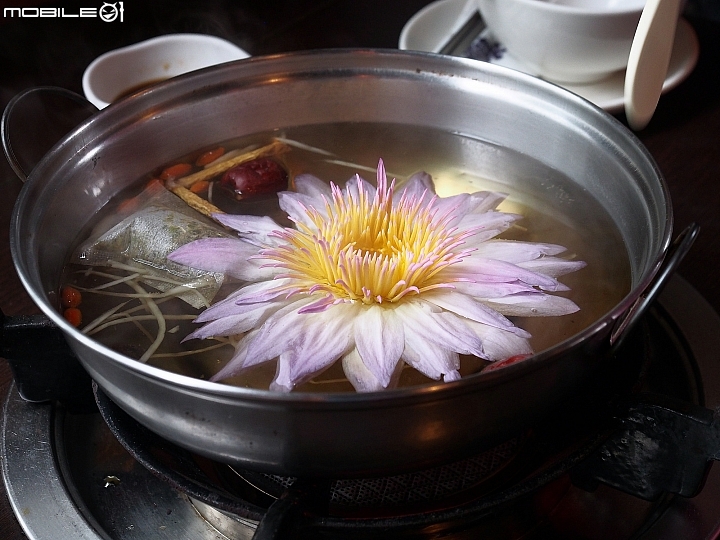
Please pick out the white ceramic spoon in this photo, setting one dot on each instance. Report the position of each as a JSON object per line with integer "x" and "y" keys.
{"x": 649, "y": 60}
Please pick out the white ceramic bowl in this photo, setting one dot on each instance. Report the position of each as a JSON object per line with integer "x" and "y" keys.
{"x": 122, "y": 71}
{"x": 570, "y": 41}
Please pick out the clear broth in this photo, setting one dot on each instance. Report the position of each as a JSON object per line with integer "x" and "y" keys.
{"x": 555, "y": 208}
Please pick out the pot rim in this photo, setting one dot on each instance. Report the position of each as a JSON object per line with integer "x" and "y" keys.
{"x": 447, "y": 67}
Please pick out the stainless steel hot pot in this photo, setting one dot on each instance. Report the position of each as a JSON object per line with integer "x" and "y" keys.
{"x": 343, "y": 434}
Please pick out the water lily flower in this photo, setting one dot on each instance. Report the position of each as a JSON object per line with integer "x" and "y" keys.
{"x": 376, "y": 277}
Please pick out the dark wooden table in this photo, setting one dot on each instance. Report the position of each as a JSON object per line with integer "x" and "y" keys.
{"x": 683, "y": 137}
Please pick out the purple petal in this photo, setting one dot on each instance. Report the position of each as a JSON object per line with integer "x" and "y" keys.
{"x": 485, "y": 201}
{"x": 428, "y": 358}
{"x": 379, "y": 339}
{"x": 243, "y": 300}
{"x": 499, "y": 344}
{"x": 278, "y": 333}
{"x": 464, "y": 272}
{"x": 441, "y": 328}
{"x": 253, "y": 229}
{"x": 233, "y": 324}
{"x": 231, "y": 309}
{"x": 451, "y": 376}
{"x": 455, "y": 208}
{"x": 223, "y": 308}
{"x": 418, "y": 184}
{"x": 313, "y": 187}
{"x": 481, "y": 269}
{"x": 227, "y": 256}
{"x": 535, "y": 304}
{"x": 469, "y": 308}
{"x": 263, "y": 291}
{"x": 487, "y": 226}
{"x": 358, "y": 374}
{"x": 276, "y": 386}
{"x": 516, "y": 252}
{"x": 352, "y": 187}
{"x": 491, "y": 290}
{"x": 237, "y": 319}
{"x": 326, "y": 338}
{"x": 237, "y": 363}
{"x": 296, "y": 206}
{"x": 472, "y": 208}
{"x": 552, "y": 266}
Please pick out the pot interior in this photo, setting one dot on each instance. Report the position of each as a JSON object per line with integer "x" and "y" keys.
{"x": 547, "y": 148}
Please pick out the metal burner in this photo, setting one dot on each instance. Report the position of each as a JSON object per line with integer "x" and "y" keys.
{"x": 68, "y": 478}
{"x": 431, "y": 485}
{"x": 410, "y": 489}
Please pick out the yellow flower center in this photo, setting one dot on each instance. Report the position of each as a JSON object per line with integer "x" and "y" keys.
{"x": 365, "y": 248}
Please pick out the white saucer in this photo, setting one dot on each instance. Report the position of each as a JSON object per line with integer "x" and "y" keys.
{"x": 430, "y": 28}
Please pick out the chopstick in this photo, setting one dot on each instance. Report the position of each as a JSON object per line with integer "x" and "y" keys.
{"x": 459, "y": 43}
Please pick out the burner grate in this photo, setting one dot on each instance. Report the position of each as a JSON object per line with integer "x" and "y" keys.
{"x": 429, "y": 485}
{"x": 424, "y": 486}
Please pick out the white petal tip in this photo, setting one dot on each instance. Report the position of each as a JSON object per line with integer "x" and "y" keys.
{"x": 451, "y": 376}
{"x": 277, "y": 387}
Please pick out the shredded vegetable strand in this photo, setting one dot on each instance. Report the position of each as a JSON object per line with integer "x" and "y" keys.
{"x": 303, "y": 146}
{"x": 169, "y": 294}
{"x": 110, "y": 315}
{"x": 188, "y": 353}
{"x": 99, "y": 320}
{"x": 123, "y": 320}
{"x": 359, "y": 167}
{"x": 142, "y": 329}
{"x": 180, "y": 287}
{"x": 155, "y": 310}
{"x": 118, "y": 281}
{"x": 172, "y": 293}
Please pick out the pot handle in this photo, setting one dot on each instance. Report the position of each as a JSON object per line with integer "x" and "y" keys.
{"x": 676, "y": 253}
{"x": 657, "y": 445}
{"x": 37, "y": 118}
{"x": 43, "y": 365}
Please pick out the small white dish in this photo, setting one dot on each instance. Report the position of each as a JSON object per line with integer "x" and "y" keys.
{"x": 566, "y": 41}
{"x": 122, "y": 71}
{"x": 430, "y": 28}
